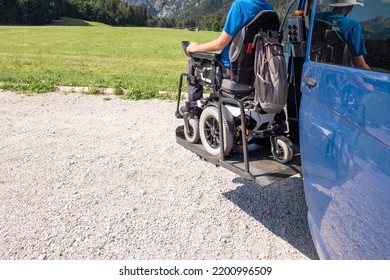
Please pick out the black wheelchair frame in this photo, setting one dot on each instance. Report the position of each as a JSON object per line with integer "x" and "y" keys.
{"x": 245, "y": 164}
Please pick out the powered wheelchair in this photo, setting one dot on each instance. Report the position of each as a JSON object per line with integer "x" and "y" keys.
{"x": 229, "y": 120}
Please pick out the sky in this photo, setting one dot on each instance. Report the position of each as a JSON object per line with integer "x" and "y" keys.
{"x": 371, "y": 9}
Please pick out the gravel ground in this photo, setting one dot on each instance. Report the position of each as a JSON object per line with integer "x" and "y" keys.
{"x": 86, "y": 178}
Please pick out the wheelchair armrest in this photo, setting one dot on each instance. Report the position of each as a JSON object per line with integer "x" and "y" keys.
{"x": 206, "y": 55}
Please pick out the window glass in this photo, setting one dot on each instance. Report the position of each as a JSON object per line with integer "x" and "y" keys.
{"x": 344, "y": 35}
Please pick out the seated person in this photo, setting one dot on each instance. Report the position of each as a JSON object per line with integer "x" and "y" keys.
{"x": 241, "y": 12}
{"x": 348, "y": 28}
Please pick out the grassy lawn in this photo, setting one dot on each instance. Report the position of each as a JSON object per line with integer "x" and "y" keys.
{"x": 142, "y": 61}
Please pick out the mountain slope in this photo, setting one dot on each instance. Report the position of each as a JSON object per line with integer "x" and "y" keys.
{"x": 378, "y": 28}
{"x": 191, "y": 8}
{"x": 207, "y": 8}
{"x": 161, "y": 8}
{"x": 218, "y": 8}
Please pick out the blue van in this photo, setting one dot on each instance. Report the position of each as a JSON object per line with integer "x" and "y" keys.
{"x": 344, "y": 128}
{"x": 338, "y": 54}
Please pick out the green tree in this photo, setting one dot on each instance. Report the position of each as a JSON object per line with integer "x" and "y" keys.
{"x": 8, "y": 10}
{"x": 216, "y": 26}
{"x": 34, "y": 11}
{"x": 179, "y": 24}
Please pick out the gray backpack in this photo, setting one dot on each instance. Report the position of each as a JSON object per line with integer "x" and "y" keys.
{"x": 270, "y": 69}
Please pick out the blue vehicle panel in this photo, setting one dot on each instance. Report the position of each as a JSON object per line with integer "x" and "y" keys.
{"x": 345, "y": 153}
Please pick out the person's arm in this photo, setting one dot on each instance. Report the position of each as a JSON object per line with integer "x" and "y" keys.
{"x": 214, "y": 45}
{"x": 359, "y": 62}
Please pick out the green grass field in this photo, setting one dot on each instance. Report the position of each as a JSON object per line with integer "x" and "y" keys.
{"x": 142, "y": 61}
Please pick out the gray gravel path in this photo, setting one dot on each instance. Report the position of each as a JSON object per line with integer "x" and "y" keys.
{"x": 86, "y": 178}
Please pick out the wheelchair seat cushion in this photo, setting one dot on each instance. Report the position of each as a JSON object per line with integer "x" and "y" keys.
{"x": 233, "y": 87}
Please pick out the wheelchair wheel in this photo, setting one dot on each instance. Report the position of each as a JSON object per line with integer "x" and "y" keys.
{"x": 209, "y": 130}
{"x": 192, "y": 135}
{"x": 285, "y": 153}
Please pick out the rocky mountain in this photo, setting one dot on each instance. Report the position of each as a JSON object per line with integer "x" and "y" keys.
{"x": 164, "y": 8}
{"x": 378, "y": 28}
{"x": 180, "y": 8}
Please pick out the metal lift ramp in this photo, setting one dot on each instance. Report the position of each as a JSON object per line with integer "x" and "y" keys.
{"x": 260, "y": 166}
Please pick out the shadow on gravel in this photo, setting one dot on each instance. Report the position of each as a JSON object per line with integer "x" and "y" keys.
{"x": 281, "y": 207}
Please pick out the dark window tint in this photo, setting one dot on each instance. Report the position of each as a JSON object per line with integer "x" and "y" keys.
{"x": 365, "y": 31}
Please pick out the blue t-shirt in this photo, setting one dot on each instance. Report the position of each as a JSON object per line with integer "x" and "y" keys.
{"x": 240, "y": 14}
{"x": 349, "y": 29}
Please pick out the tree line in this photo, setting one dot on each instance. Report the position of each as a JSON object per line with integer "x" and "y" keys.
{"x": 112, "y": 12}
{"x": 210, "y": 23}
{"x": 209, "y": 15}
{"x": 38, "y": 12}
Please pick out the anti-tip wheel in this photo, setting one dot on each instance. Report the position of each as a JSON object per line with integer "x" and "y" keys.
{"x": 192, "y": 135}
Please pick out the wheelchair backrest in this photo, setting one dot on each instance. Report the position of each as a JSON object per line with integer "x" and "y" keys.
{"x": 241, "y": 54}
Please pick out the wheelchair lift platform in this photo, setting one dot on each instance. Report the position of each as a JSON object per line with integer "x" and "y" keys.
{"x": 263, "y": 169}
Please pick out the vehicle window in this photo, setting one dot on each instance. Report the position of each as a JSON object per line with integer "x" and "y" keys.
{"x": 351, "y": 35}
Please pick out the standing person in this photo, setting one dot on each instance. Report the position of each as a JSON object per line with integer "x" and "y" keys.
{"x": 348, "y": 28}
{"x": 241, "y": 12}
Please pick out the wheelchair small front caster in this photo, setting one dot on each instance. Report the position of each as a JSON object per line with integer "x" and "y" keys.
{"x": 281, "y": 148}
